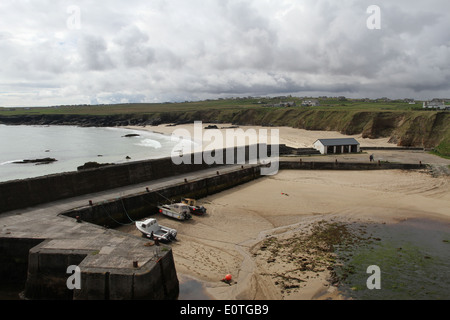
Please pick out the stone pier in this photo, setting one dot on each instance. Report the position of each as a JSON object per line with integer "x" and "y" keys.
{"x": 40, "y": 243}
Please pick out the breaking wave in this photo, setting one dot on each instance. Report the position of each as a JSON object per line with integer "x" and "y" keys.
{"x": 150, "y": 143}
{"x": 9, "y": 162}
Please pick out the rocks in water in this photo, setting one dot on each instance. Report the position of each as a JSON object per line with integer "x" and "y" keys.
{"x": 131, "y": 135}
{"x": 37, "y": 161}
{"x": 93, "y": 165}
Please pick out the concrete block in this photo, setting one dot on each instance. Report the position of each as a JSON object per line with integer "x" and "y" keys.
{"x": 93, "y": 285}
{"x": 149, "y": 284}
{"x": 121, "y": 286}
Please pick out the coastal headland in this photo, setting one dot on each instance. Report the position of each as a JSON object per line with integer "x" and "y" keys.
{"x": 404, "y": 124}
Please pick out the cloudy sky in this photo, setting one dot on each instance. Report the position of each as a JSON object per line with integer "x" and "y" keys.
{"x": 89, "y": 52}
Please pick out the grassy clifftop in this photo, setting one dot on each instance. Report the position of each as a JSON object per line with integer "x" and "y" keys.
{"x": 404, "y": 124}
{"x": 406, "y": 128}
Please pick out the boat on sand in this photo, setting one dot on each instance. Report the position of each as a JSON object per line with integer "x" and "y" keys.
{"x": 150, "y": 228}
{"x": 178, "y": 211}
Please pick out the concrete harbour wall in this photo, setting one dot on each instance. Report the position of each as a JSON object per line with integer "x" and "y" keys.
{"x": 46, "y": 274}
{"x": 18, "y": 194}
{"x": 127, "y": 209}
{"x": 14, "y": 258}
{"x": 303, "y": 165}
{"x": 41, "y": 262}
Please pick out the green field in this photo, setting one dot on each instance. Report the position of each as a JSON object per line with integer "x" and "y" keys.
{"x": 223, "y": 104}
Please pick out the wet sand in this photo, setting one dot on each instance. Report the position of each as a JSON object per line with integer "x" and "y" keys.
{"x": 232, "y": 237}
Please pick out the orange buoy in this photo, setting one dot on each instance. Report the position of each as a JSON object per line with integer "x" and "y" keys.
{"x": 228, "y": 277}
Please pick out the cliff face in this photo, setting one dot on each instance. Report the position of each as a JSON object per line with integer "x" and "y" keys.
{"x": 427, "y": 129}
{"x": 409, "y": 128}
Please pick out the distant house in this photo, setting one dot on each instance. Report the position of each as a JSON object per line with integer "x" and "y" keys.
{"x": 285, "y": 104}
{"x": 311, "y": 103}
{"x": 289, "y": 104}
{"x": 435, "y": 105}
{"x": 337, "y": 146}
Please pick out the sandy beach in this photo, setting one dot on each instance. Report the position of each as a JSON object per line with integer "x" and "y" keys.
{"x": 249, "y": 231}
{"x": 296, "y": 138}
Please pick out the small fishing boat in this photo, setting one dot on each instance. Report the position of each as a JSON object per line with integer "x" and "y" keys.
{"x": 178, "y": 211}
{"x": 150, "y": 228}
{"x": 194, "y": 208}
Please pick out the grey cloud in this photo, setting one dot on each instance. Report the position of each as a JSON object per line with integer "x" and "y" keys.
{"x": 176, "y": 49}
{"x": 93, "y": 52}
{"x": 134, "y": 50}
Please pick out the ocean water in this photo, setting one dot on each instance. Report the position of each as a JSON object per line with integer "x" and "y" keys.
{"x": 74, "y": 146}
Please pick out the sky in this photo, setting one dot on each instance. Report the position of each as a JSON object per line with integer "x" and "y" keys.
{"x": 69, "y": 52}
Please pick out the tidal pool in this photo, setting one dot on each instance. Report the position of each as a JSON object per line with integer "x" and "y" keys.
{"x": 413, "y": 257}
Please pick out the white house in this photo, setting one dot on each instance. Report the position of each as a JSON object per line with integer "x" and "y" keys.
{"x": 285, "y": 104}
{"x": 435, "y": 105}
{"x": 337, "y": 146}
{"x": 311, "y": 103}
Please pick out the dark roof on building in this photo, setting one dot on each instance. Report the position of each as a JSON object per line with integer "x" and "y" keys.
{"x": 338, "y": 142}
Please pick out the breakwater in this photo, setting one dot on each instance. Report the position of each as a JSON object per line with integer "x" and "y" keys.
{"x": 19, "y": 194}
{"x": 36, "y": 247}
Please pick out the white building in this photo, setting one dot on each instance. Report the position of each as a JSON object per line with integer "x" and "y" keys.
{"x": 285, "y": 104}
{"x": 311, "y": 103}
{"x": 435, "y": 105}
{"x": 337, "y": 146}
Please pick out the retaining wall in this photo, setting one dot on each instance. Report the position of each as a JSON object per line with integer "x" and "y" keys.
{"x": 303, "y": 165}
{"x": 14, "y": 259}
{"x": 46, "y": 276}
{"x": 394, "y": 148}
{"x": 127, "y": 209}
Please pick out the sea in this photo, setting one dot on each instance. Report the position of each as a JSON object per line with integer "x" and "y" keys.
{"x": 74, "y": 146}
